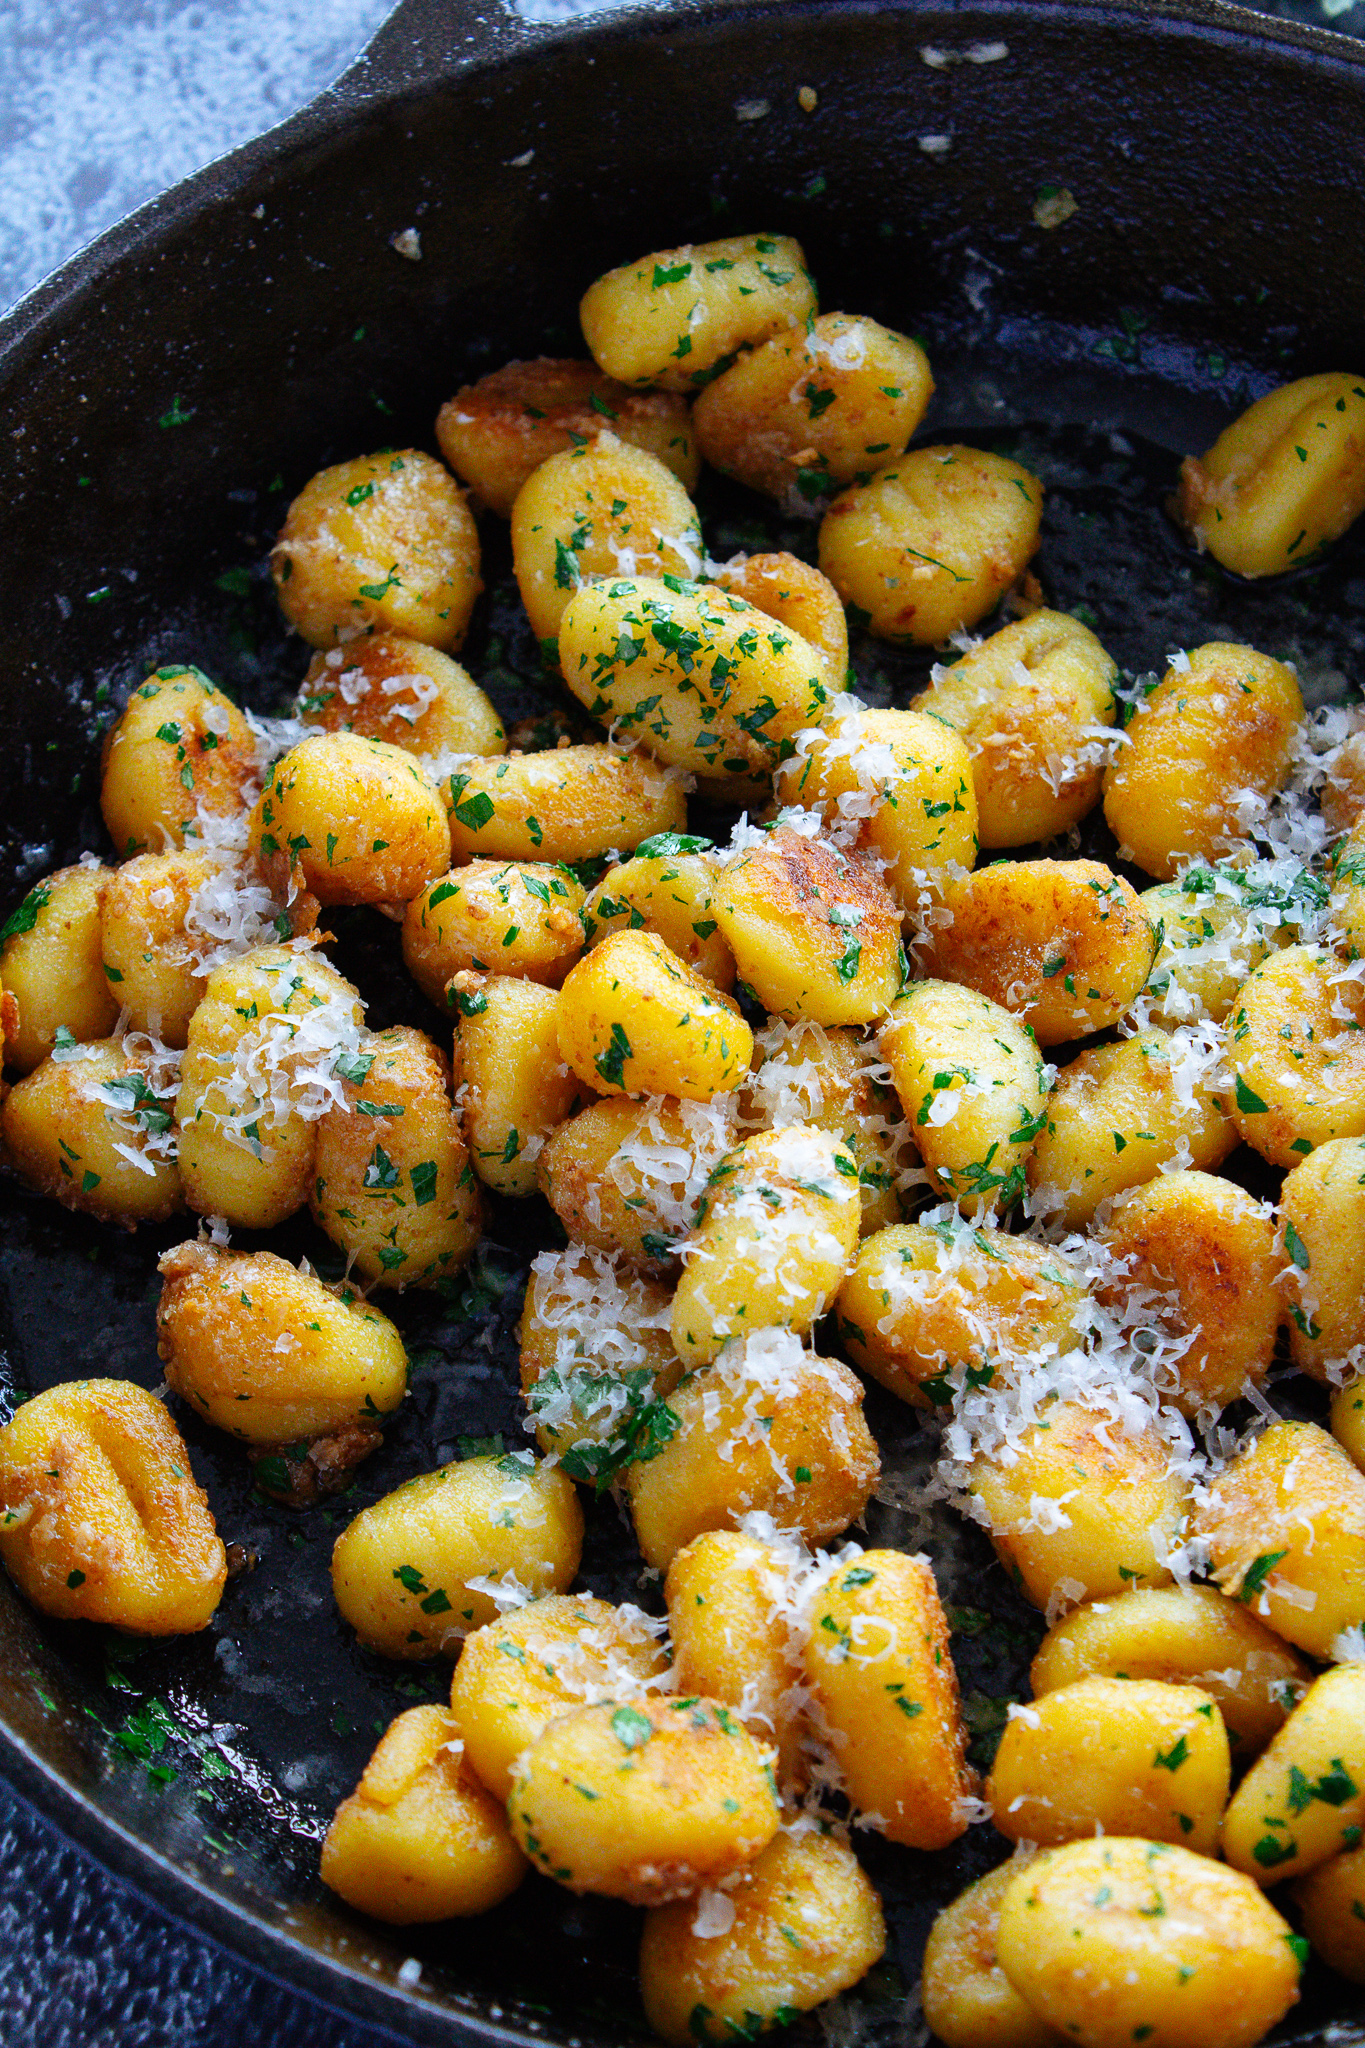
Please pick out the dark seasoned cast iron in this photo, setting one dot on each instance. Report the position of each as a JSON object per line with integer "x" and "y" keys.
{"x": 168, "y": 392}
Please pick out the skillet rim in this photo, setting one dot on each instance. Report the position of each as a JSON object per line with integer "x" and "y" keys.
{"x": 419, "y": 48}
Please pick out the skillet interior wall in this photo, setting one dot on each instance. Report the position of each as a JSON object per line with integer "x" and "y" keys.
{"x": 1218, "y": 204}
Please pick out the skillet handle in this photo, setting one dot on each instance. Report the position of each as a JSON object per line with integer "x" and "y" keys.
{"x": 424, "y": 40}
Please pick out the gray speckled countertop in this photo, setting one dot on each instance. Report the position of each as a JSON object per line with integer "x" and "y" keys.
{"x": 103, "y": 103}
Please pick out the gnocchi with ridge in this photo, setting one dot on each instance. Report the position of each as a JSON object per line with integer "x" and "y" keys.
{"x": 615, "y": 1073}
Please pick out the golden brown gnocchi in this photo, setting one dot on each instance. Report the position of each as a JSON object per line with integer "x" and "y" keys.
{"x": 968, "y": 2000}
{"x": 1331, "y": 1903}
{"x": 1117, "y": 1116}
{"x": 930, "y": 1305}
{"x": 636, "y": 1020}
{"x": 1082, "y": 1509}
{"x": 1342, "y": 796}
{"x": 402, "y": 1570}
{"x": 1121, "y": 1938}
{"x": 420, "y": 1839}
{"x": 1035, "y": 704}
{"x": 1206, "y": 749}
{"x": 1297, "y": 1051}
{"x": 600, "y": 510}
{"x": 180, "y": 755}
{"x": 796, "y": 595}
{"x": 930, "y": 544}
{"x": 644, "y": 1802}
{"x": 1284, "y": 480}
{"x": 526, "y": 1668}
{"x": 1348, "y": 1419}
{"x": 494, "y": 917}
{"x": 877, "y": 1660}
{"x": 100, "y": 1518}
{"x": 837, "y": 1080}
{"x": 387, "y": 687}
{"x": 92, "y": 1128}
{"x": 267, "y": 1045}
{"x": 1065, "y": 946}
{"x": 666, "y": 887}
{"x": 774, "y": 1236}
{"x": 1192, "y": 1635}
{"x": 496, "y": 432}
{"x": 770, "y": 1429}
{"x": 725, "y": 1594}
{"x": 815, "y": 934}
{"x": 802, "y": 1924}
{"x": 1303, "y": 1801}
{"x": 512, "y": 1086}
{"x": 1285, "y": 1525}
{"x": 1113, "y": 1756}
{"x": 392, "y": 1180}
{"x": 815, "y": 408}
{"x": 1211, "y": 937}
{"x": 697, "y": 674}
{"x": 674, "y": 318}
{"x": 1193, "y": 1256}
{"x": 53, "y": 966}
{"x": 385, "y": 543}
{"x": 1346, "y": 901}
{"x": 268, "y": 1353}
{"x": 356, "y": 818}
{"x": 626, "y": 1177}
{"x": 153, "y": 962}
{"x": 970, "y": 1079}
{"x": 903, "y": 781}
{"x": 569, "y": 804}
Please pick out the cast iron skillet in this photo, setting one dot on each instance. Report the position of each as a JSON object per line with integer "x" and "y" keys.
{"x": 168, "y": 391}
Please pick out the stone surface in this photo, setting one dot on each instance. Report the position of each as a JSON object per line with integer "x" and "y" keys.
{"x": 85, "y": 1962}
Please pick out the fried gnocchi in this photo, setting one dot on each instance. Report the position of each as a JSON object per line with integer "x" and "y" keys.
{"x": 1081, "y": 1509}
{"x": 100, "y": 1518}
{"x": 53, "y": 965}
{"x": 1284, "y": 480}
{"x": 1065, "y": 946}
{"x": 1212, "y": 738}
{"x": 676, "y": 316}
{"x": 1120, "y": 1937}
{"x": 391, "y": 688}
{"x": 699, "y": 1984}
{"x": 931, "y": 544}
{"x": 768, "y": 1428}
{"x": 1285, "y": 1525}
{"x": 735, "y": 1054}
{"x": 600, "y": 510}
{"x": 970, "y": 1079}
{"x": 815, "y": 408}
{"x": 420, "y": 1839}
{"x": 401, "y": 1571}
{"x": 1035, "y": 704}
{"x": 495, "y": 433}
{"x": 268, "y": 1353}
{"x": 385, "y": 543}
{"x": 645, "y": 1803}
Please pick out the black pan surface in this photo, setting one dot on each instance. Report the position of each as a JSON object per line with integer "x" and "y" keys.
{"x": 168, "y": 393}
